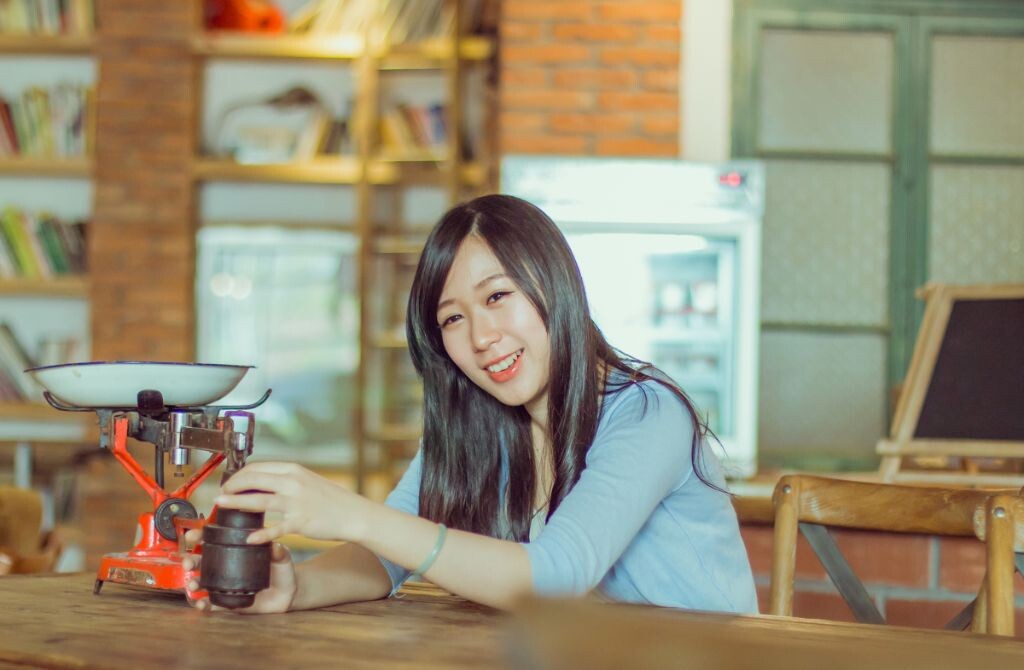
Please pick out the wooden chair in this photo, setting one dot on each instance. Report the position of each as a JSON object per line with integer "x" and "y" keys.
{"x": 23, "y": 548}
{"x": 1002, "y": 529}
{"x": 811, "y": 504}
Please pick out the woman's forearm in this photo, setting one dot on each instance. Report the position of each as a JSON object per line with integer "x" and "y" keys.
{"x": 345, "y": 573}
{"x": 483, "y": 569}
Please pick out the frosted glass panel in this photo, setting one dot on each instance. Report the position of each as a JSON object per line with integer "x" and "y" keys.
{"x": 826, "y": 243}
{"x": 825, "y": 90}
{"x": 977, "y": 225}
{"x": 821, "y": 392}
{"x": 977, "y": 95}
{"x": 285, "y": 301}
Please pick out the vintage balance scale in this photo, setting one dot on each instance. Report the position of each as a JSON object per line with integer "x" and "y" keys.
{"x": 169, "y": 405}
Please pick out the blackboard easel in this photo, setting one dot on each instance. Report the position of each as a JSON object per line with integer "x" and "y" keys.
{"x": 963, "y": 396}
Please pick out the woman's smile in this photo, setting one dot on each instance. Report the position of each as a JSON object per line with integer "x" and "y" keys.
{"x": 505, "y": 368}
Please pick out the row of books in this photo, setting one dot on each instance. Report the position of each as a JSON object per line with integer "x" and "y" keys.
{"x": 47, "y": 17}
{"x": 45, "y": 122}
{"x": 406, "y": 129}
{"x": 40, "y": 246}
{"x": 15, "y": 385}
{"x": 386, "y": 21}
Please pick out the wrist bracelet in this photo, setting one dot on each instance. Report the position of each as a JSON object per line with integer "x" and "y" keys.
{"x": 429, "y": 560}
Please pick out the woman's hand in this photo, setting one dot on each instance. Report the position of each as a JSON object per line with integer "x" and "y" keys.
{"x": 274, "y": 599}
{"x": 306, "y": 503}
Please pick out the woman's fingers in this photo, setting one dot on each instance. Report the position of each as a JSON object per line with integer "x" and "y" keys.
{"x": 281, "y": 477}
{"x": 267, "y": 534}
{"x": 247, "y": 502}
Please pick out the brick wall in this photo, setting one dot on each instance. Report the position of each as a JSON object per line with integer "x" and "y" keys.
{"x": 915, "y": 580}
{"x": 141, "y": 238}
{"x": 590, "y": 77}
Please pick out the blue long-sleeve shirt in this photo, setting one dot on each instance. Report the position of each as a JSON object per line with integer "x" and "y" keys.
{"x": 639, "y": 525}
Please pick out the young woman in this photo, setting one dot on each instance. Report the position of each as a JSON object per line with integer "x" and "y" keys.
{"x": 549, "y": 464}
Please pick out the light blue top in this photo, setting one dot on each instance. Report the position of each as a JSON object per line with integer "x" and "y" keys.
{"x": 639, "y": 525}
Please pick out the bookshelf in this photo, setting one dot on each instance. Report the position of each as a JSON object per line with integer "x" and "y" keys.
{"x": 48, "y": 305}
{"x": 458, "y": 70}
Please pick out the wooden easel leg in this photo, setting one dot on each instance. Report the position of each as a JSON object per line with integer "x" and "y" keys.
{"x": 890, "y": 467}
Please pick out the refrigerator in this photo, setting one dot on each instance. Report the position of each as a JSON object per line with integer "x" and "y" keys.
{"x": 670, "y": 256}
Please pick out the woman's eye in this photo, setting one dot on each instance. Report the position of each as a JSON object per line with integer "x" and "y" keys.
{"x": 450, "y": 320}
{"x": 497, "y": 295}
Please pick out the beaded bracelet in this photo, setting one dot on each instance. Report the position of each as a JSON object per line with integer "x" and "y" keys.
{"x": 442, "y": 531}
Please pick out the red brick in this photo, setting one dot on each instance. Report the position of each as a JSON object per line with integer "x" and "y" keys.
{"x": 591, "y": 123}
{"x": 637, "y": 101}
{"x": 830, "y": 606}
{"x": 524, "y": 121}
{"x": 962, "y": 565}
{"x": 647, "y": 11}
{"x": 601, "y": 78}
{"x": 547, "y": 54}
{"x": 520, "y": 31}
{"x": 759, "y": 542}
{"x": 533, "y": 77}
{"x": 640, "y": 56}
{"x": 661, "y": 80}
{"x": 921, "y": 613}
{"x": 663, "y": 33}
{"x": 636, "y": 146}
{"x": 529, "y": 10}
{"x": 666, "y": 124}
{"x": 590, "y": 32}
{"x": 544, "y": 144}
{"x": 546, "y": 100}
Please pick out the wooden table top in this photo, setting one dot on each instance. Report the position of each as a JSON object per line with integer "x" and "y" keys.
{"x": 56, "y": 622}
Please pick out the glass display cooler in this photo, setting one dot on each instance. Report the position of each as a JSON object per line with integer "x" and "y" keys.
{"x": 670, "y": 255}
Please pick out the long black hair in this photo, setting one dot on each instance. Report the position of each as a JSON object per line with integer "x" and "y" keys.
{"x": 464, "y": 427}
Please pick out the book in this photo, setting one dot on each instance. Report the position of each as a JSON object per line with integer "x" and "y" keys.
{"x": 14, "y": 360}
{"x": 17, "y": 240}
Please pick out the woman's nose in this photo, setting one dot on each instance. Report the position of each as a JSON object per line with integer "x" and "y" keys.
{"x": 484, "y": 333}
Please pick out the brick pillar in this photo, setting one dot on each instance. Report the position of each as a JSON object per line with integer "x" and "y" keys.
{"x": 142, "y": 239}
{"x": 590, "y": 77}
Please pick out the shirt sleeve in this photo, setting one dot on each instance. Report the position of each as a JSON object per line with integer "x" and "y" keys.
{"x": 406, "y": 498}
{"x": 641, "y": 453}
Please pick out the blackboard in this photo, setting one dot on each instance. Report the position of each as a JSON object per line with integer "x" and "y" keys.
{"x": 976, "y": 391}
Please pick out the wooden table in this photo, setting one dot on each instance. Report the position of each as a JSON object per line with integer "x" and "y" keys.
{"x": 55, "y": 622}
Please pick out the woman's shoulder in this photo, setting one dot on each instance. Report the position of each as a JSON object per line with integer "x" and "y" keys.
{"x": 646, "y": 394}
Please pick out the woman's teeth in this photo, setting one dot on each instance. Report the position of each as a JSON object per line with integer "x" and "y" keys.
{"x": 505, "y": 364}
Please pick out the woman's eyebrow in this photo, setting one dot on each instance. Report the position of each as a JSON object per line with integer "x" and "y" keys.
{"x": 483, "y": 282}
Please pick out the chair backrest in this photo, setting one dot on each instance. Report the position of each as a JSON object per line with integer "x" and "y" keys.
{"x": 811, "y": 504}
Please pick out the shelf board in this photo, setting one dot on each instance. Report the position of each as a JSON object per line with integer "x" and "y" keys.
{"x": 37, "y": 411}
{"x": 48, "y": 167}
{"x": 426, "y": 54}
{"x": 46, "y": 44}
{"x": 236, "y": 45}
{"x": 55, "y": 287}
{"x": 342, "y": 170}
{"x": 398, "y": 245}
{"x": 472, "y": 48}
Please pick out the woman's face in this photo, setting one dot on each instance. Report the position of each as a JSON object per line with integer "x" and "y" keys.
{"x": 492, "y": 331}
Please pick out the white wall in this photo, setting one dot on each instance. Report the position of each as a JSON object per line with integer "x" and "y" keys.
{"x": 705, "y": 94}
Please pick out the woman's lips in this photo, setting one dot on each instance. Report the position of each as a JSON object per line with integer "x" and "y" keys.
{"x": 508, "y": 373}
